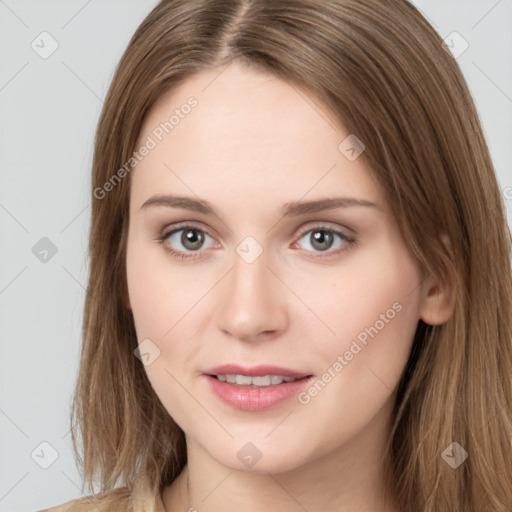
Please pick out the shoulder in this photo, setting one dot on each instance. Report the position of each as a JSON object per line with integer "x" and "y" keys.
{"x": 117, "y": 500}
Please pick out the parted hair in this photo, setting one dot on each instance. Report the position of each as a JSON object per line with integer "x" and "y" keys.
{"x": 383, "y": 71}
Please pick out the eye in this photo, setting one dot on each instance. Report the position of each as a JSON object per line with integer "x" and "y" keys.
{"x": 189, "y": 237}
{"x": 322, "y": 238}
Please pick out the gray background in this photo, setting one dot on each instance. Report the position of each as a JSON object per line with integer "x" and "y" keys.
{"x": 49, "y": 110}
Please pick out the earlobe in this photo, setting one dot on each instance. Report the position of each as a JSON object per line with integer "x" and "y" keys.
{"x": 438, "y": 294}
{"x": 437, "y": 307}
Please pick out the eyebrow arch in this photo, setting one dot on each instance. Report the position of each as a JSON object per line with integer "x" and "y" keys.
{"x": 292, "y": 209}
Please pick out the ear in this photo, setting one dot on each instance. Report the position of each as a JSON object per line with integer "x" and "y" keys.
{"x": 438, "y": 295}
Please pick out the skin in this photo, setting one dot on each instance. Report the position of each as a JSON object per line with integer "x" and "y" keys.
{"x": 253, "y": 143}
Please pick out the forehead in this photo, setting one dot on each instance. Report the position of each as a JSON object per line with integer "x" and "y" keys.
{"x": 234, "y": 128}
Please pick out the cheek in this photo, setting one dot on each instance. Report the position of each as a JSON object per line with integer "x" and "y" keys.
{"x": 160, "y": 294}
{"x": 361, "y": 367}
{"x": 161, "y": 301}
{"x": 374, "y": 312}
{"x": 165, "y": 302}
{"x": 374, "y": 297}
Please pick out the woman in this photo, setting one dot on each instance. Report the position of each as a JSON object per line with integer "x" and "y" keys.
{"x": 300, "y": 283}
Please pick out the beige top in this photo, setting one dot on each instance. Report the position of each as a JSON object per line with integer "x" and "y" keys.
{"x": 141, "y": 499}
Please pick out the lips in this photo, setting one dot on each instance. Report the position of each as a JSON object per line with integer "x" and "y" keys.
{"x": 256, "y": 388}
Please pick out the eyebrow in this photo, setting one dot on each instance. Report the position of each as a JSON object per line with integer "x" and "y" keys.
{"x": 291, "y": 209}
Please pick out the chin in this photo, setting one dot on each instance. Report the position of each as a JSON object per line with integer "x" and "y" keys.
{"x": 262, "y": 456}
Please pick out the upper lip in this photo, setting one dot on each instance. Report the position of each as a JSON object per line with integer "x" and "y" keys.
{"x": 254, "y": 371}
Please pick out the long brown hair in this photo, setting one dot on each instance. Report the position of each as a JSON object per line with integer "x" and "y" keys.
{"x": 381, "y": 69}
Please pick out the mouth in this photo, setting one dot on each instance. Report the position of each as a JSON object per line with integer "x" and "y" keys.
{"x": 255, "y": 389}
{"x": 258, "y": 381}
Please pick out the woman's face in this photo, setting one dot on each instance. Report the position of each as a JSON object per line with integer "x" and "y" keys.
{"x": 272, "y": 285}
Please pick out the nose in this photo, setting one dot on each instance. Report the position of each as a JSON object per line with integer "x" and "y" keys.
{"x": 251, "y": 302}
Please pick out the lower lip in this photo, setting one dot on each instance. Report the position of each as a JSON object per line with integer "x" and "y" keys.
{"x": 252, "y": 398}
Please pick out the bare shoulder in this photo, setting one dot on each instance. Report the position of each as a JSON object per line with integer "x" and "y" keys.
{"x": 116, "y": 500}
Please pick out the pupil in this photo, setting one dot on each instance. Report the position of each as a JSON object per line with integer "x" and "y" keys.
{"x": 321, "y": 237}
{"x": 192, "y": 239}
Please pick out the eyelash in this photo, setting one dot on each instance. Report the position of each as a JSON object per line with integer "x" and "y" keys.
{"x": 349, "y": 241}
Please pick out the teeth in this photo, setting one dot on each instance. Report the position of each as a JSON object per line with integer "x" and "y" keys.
{"x": 243, "y": 380}
{"x": 275, "y": 379}
{"x": 263, "y": 381}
